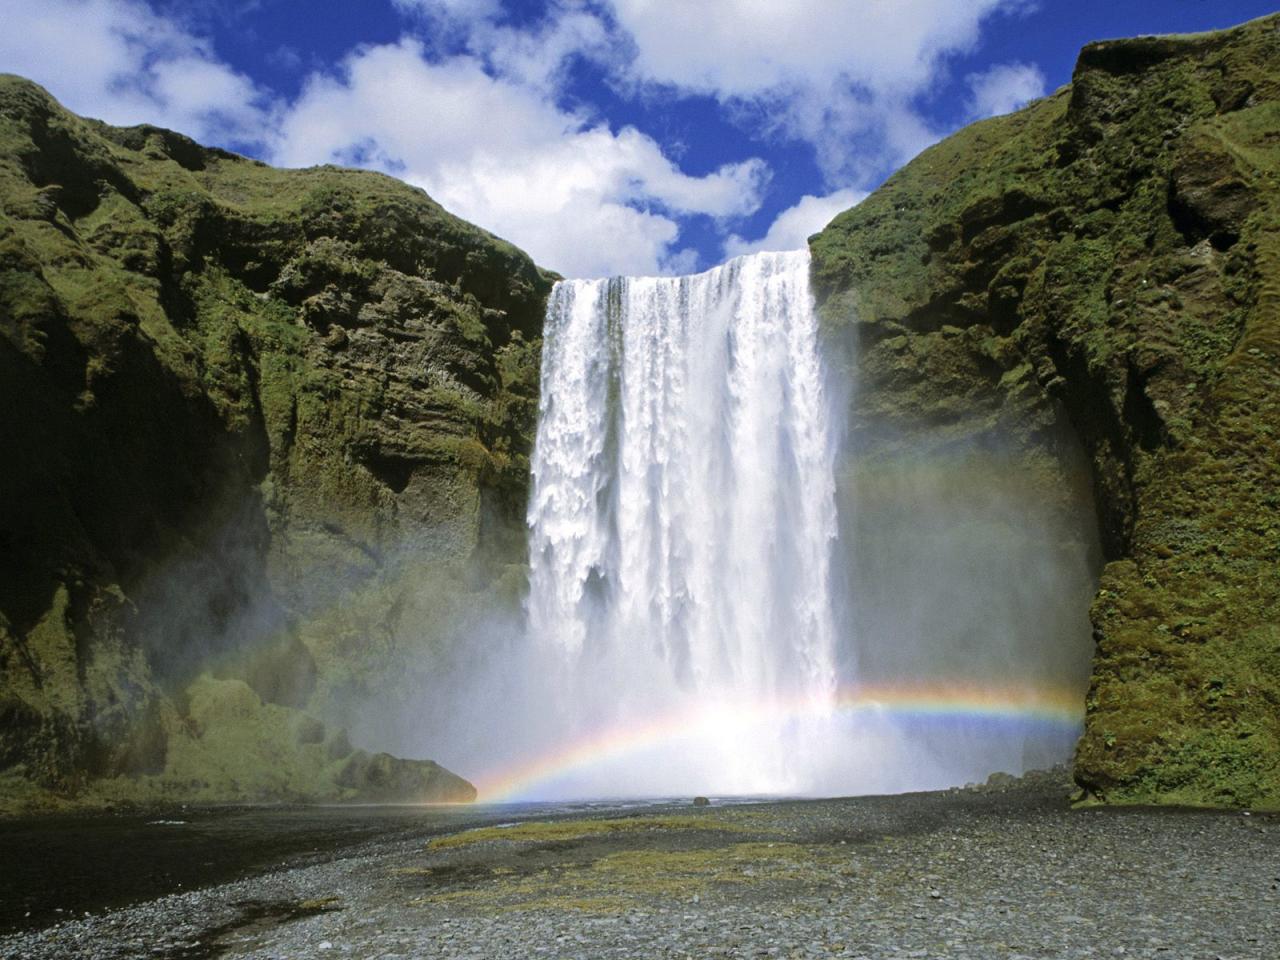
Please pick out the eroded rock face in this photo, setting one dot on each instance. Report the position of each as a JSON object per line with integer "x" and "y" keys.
{"x": 1105, "y": 264}
{"x": 259, "y": 427}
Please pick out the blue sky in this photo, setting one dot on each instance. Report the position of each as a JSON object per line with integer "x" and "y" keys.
{"x": 603, "y": 136}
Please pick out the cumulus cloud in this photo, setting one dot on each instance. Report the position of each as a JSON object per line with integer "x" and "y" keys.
{"x": 121, "y": 62}
{"x": 540, "y": 55}
{"x": 745, "y": 47}
{"x": 580, "y": 197}
{"x": 842, "y": 75}
{"x": 481, "y": 131}
{"x": 476, "y": 110}
{"x": 536, "y": 52}
{"x": 792, "y": 228}
{"x": 1003, "y": 89}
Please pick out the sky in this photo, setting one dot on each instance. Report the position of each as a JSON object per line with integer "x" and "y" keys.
{"x": 602, "y": 136}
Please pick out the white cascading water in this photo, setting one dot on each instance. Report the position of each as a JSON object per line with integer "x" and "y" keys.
{"x": 681, "y": 525}
{"x": 680, "y": 633}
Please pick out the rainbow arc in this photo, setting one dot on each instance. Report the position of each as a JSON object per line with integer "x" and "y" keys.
{"x": 1015, "y": 708}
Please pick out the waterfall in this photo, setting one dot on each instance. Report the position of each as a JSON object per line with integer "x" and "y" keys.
{"x": 680, "y": 632}
{"x": 683, "y": 511}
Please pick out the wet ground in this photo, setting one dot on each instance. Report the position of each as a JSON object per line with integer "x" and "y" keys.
{"x": 997, "y": 873}
{"x": 57, "y": 867}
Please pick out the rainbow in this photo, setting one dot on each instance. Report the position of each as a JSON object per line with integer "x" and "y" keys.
{"x": 1057, "y": 710}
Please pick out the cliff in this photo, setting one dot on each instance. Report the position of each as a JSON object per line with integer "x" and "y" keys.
{"x": 1104, "y": 267}
{"x": 265, "y": 441}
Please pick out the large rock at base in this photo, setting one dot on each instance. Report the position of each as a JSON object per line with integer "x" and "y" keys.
{"x": 382, "y": 778}
{"x": 228, "y": 745}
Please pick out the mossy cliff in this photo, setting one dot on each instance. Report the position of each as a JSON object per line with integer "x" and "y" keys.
{"x": 1105, "y": 266}
{"x": 265, "y": 434}
{"x": 265, "y": 443}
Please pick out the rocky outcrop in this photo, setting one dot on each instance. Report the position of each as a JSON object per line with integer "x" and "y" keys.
{"x": 265, "y": 441}
{"x": 1105, "y": 266}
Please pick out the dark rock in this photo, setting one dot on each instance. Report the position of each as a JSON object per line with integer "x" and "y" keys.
{"x": 382, "y": 778}
{"x": 285, "y": 388}
{"x": 1110, "y": 253}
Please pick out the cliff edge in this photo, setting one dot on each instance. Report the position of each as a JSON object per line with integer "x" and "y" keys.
{"x": 1104, "y": 267}
{"x": 265, "y": 440}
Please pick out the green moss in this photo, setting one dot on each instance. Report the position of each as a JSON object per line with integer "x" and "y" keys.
{"x": 1110, "y": 255}
{"x": 625, "y": 878}
{"x": 260, "y": 390}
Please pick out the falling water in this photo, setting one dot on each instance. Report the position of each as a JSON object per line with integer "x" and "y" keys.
{"x": 691, "y": 522}
{"x": 682, "y": 517}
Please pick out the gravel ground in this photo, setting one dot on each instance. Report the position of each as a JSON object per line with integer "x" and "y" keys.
{"x": 994, "y": 873}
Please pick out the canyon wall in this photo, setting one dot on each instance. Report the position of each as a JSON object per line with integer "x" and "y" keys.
{"x": 265, "y": 435}
{"x": 266, "y": 440}
{"x": 1101, "y": 270}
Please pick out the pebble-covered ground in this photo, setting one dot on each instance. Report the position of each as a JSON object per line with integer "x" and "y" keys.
{"x": 992, "y": 873}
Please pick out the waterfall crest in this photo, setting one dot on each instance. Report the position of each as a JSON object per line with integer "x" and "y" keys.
{"x": 683, "y": 502}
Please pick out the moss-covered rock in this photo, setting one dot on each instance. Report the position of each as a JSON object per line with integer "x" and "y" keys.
{"x": 266, "y": 432}
{"x": 246, "y": 415}
{"x": 1108, "y": 261}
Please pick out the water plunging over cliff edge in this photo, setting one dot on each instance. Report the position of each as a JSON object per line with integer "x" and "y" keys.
{"x": 682, "y": 515}
{"x": 722, "y": 602}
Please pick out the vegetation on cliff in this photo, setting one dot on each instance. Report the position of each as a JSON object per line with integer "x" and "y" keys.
{"x": 1106, "y": 264}
{"x": 245, "y": 410}
{"x": 266, "y": 432}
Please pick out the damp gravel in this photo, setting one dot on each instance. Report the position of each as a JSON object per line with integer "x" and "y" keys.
{"x": 1007, "y": 872}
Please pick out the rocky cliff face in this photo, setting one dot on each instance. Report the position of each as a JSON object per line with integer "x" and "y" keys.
{"x": 265, "y": 440}
{"x": 264, "y": 434}
{"x": 1105, "y": 266}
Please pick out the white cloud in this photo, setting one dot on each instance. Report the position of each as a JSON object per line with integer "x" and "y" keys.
{"x": 488, "y": 133}
{"x": 748, "y": 47}
{"x": 793, "y": 227}
{"x": 452, "y": 9}
{"x": 539, "y": 56}
{"x": 579, "y": 197}
{"x": 842, "y": 75}
{"x": 1003, "y": 89}
{"x": 119, "y": 61}
{"x": 481, "y": 132}
{"x": 837, "y": 73}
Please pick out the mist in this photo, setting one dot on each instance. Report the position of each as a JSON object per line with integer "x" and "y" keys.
{"x": 669, "y": 644}
{"x": 970, "y": 571}
{"x": 954, "y": 576}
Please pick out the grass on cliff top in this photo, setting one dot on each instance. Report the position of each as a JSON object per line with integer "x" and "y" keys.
{"x": 877, "y": 256}
{"x": 170, "y": 169}
{"x": 880, "y": 259}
